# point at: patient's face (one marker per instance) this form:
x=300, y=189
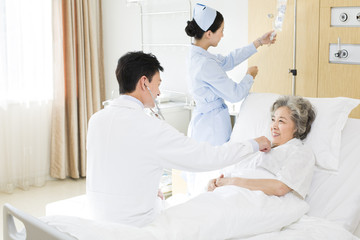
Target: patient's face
x=282, y=126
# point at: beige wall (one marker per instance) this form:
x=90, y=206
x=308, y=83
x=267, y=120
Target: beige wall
x=316, y=76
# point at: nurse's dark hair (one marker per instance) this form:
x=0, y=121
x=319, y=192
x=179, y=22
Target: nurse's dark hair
x=132, y=66
x=192, y=29
x=302, y=113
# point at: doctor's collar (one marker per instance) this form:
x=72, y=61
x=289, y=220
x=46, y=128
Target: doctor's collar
x=204, y=16
x=127, y=97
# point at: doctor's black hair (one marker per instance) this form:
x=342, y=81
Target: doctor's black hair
x=193, y=30
x=132, y=66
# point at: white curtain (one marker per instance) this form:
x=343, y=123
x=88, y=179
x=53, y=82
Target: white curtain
x=26, y=92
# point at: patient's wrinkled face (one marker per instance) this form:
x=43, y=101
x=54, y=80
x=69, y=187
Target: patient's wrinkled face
x=282, y=126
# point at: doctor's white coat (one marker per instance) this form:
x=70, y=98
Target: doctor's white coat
x=127, y=151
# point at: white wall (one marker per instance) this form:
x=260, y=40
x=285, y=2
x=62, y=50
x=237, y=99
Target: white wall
x=121, y=33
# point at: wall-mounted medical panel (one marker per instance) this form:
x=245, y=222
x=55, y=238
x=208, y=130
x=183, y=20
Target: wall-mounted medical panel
x=346, y=54
x=345, y=17
x=338, y=72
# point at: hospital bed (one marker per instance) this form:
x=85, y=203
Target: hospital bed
x=334, y=197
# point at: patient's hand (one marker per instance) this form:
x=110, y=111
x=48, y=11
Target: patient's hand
x=222, y=181
x=212, y=183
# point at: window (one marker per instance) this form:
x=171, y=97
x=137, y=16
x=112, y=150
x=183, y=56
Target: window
x=25, y=51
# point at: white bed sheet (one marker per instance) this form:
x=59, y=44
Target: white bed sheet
x=85, y=229
x=308, y=228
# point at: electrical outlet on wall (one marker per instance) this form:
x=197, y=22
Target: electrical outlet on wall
x=346, y=54
x=345, y=17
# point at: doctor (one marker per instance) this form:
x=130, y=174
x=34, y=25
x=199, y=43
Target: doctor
x=127, y=149
x=209, y=83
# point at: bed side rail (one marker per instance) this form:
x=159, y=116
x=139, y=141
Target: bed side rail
x=35, y=229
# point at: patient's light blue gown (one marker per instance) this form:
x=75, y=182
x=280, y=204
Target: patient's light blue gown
x=210, y=86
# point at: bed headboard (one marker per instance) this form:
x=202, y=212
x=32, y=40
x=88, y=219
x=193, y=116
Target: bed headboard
x=35, y=229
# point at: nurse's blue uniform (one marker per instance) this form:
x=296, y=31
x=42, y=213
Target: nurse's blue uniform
x=210, y=86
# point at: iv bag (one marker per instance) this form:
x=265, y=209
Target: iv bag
x=281, y=8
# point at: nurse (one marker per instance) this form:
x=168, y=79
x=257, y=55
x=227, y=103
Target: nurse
x=209, y=83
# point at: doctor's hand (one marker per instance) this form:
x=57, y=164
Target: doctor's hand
x=253, y=71
x=264, y=144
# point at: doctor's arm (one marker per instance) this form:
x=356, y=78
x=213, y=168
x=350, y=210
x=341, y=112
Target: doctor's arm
x=268, y=186
x=174, y=150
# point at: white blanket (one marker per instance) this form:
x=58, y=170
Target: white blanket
x=85, y=229
x=228, y=212
x=308, y=228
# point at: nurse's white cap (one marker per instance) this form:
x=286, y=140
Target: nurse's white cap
x=204, y=16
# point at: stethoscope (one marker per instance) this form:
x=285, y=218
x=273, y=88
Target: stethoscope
x=158, y=113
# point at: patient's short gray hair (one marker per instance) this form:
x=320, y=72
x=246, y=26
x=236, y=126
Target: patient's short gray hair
x=302, y=113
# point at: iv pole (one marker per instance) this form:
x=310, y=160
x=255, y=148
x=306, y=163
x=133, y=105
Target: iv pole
x=293, y=71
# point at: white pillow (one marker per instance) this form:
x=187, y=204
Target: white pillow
x=324, y=138
x=336, y=197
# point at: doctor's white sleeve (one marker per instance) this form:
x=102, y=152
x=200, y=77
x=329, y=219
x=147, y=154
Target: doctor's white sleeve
x=177, y=151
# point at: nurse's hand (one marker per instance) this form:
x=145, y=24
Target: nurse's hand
x=267, y=39
x=253, y=71
x=264, y=144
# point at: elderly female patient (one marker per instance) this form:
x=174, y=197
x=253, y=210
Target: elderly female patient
x=289, y=166
x=262, y=193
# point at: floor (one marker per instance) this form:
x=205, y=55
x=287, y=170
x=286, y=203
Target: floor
x=33, y=201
